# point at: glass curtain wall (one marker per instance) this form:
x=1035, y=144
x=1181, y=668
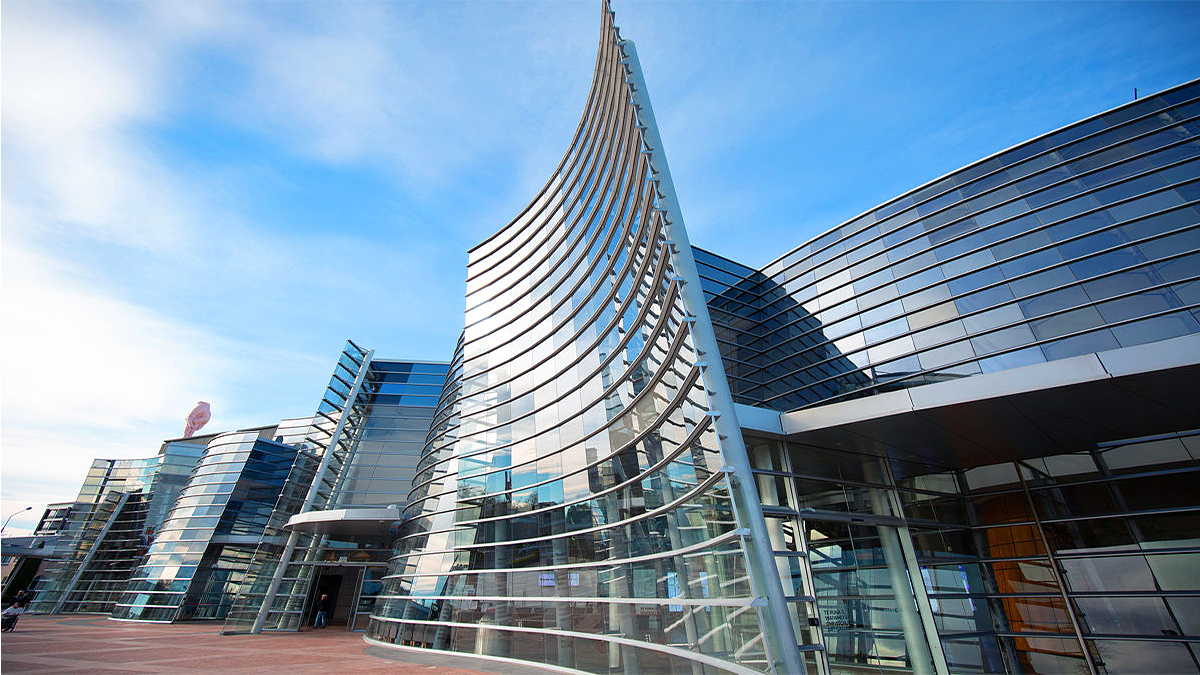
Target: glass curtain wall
x=1017, y=567
x=108, y=529
x=1083, y=240
x=571, y=508
x=325, y=443
x=401, y=404
x=200, y=555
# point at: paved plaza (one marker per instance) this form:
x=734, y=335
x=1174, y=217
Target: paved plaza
x=93, y=645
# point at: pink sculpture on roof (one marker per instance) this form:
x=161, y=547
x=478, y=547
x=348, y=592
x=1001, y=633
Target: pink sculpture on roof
x=199, y=416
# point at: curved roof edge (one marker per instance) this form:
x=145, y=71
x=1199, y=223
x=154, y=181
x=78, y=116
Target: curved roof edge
x=981, y=160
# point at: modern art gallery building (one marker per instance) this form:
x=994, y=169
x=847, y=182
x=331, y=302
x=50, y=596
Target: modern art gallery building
x=956, y=434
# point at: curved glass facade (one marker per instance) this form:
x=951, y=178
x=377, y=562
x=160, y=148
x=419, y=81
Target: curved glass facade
x=584, y=493
x=200, y=555
x=573, y=506
x=577, y=503
x=1080, y=241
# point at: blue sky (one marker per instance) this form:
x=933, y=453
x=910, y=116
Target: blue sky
x=204, y=200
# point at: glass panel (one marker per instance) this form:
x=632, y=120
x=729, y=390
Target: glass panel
x=1136, y=457
x=1066, y=323
x=1156, y=328
x=1133, y=657
x=1003, y=339
x=1187, y=613
x=1170, y=530
x=1096, y=341
x=1015, y=359
x=1101, y=534
x=1123, y=573
x=1176, y=572
x=1049, y=655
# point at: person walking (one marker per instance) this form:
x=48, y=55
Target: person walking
x=322, y=608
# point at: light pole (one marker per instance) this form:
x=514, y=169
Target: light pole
x=2, y=528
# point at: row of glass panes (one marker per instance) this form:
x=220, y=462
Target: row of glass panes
x=981, y=172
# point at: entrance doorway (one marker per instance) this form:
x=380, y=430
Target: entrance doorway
x=329, y=582
x=352, y=590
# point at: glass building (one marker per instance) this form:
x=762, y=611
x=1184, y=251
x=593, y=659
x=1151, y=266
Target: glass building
x=583, y=501
x=956, y=434
x=103, y=534
x=330, y=530
x=199, y=531
x=197, y=559
x=959, y=433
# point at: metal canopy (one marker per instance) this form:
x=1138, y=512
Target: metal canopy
x=1045, y=409
x=360, y=522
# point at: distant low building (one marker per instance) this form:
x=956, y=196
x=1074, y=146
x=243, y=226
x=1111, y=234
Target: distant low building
x=183, y=534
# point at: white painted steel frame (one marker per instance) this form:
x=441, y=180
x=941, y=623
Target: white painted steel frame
x=535, y=274
x=780, y=631
x=313, y=490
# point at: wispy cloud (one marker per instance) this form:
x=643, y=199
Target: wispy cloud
x=202, y=199
x=150, y=261
x=72, y=94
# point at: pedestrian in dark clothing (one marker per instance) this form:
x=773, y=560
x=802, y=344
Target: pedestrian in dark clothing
x=322, y=608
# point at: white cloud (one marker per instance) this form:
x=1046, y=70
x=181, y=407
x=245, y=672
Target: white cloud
x=86, y=375
x=71, y=350
x=72, y=92
x=134, y=285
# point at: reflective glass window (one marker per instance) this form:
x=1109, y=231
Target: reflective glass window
x=1041, y=281
x=1060, y=468
x=967, y=263
x=952, y=353
x=1164, y=222
x=1116, y=573
x=1003, y=339
x=1164, y=247
x=1031, y=262
x=1156, y=328
x=939, y=334
x=1130, y=657
x=1020, y=245
x=919, y=280
x=975, y=281
x=1177, y=572
x=1054, y=301
x=1014, y=359
x=1149, y=454
x=1132, y=188
x=1080, y=226
x=1092, y=243
x=1106, y=262
x=1133, y=306
x=992, y=318
x=983, y=299
x=1066, y=323
x=1144, y=205
x=1131, y=616
x=1096, y=341
x=1178, y=269
x=1093, y=535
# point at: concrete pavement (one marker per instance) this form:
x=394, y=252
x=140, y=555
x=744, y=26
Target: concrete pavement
x=93, y=645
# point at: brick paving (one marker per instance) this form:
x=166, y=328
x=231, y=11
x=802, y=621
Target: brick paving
x=93, y=645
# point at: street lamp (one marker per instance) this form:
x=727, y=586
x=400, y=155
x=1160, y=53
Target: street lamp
x=27, y=508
